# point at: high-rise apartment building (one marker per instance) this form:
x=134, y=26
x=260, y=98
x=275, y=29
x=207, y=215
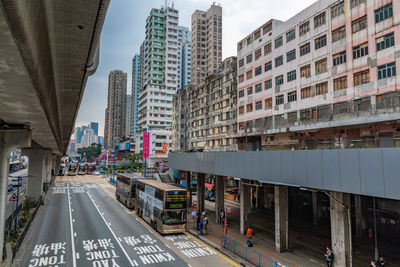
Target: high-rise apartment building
x=184, y=56
x=326, y=78
x=136, y=83
x=95, y=127
x=160, y=76
x=206, y=43
x=128, y=116
x=180, y=118
x=116, y=107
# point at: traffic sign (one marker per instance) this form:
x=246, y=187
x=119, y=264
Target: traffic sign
x=228, y=209
x=13, y=197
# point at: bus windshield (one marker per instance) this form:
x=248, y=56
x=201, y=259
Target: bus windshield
x=175, y=200
x=173, y=217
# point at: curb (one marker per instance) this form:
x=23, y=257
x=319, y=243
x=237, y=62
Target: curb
x=239, y=260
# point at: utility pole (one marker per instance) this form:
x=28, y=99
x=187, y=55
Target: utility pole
x=145, y=151
x=114, y=159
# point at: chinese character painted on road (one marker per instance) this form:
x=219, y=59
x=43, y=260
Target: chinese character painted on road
x=105, y=243
x=56, y=247
x=147, y=239
x=132, y=241
x=89, y=245
x=40, y=250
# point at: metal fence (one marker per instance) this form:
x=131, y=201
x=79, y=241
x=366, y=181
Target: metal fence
x=250, y=254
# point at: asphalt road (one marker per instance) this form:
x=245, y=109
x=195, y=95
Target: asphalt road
x=81, y=225
x=10, y=206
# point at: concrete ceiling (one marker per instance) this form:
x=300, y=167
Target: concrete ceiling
x=47, y=50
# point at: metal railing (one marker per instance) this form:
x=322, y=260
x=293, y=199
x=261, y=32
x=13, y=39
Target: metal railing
x=250, y=254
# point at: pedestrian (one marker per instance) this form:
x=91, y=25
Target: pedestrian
x=198, y=219
x=205, y=224
x=222, y=215
x=201, y=228
x=380, y=262
x=373, y=264
x=249, y=235
x=329, y=257
x=194, y=215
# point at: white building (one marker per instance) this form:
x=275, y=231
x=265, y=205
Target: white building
x=88, y=138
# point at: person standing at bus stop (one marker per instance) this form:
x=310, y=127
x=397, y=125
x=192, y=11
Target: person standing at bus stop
x=249, y=235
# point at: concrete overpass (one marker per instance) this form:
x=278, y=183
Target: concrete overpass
x=47, y=51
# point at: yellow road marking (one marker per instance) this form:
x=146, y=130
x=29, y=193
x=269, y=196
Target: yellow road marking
x=219, y=254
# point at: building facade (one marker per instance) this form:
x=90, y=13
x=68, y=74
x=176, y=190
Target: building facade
x=136, y=83
x=205, y=114
x=326, y=78
x=95, y=127
x=206, y=43
x=128, y=116
x=184, y=56
x=116, y=107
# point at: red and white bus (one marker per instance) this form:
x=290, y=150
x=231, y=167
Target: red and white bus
x=90, y=168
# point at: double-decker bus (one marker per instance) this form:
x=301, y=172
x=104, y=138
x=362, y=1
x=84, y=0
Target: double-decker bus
x=82, y=169
x=209, y=191
x=162, y=205
x=90, y=168
x=72, y=169
x=126, y=189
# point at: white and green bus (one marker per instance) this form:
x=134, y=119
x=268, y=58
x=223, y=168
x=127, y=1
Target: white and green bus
x=162, y=205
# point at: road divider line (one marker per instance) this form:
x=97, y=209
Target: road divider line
x=216, y=252
x=72, y=231
x=112, y=232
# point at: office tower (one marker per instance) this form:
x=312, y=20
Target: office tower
x=95, y=127
x=206, y=43
x=116, y=106
x=184, y=56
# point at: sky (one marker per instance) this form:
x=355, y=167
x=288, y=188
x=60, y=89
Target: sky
x=124, y=31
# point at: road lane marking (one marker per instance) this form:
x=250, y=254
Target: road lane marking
x=216, y=252
x=112, y=232
x=77, y=255
x=72, y=232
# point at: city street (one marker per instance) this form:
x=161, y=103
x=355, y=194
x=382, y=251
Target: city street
x=82, y=225
x=10, y=204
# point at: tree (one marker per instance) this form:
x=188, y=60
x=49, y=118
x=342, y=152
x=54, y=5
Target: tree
x=135, y=160
x=91, y=152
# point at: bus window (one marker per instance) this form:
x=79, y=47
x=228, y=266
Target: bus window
x=173, y=217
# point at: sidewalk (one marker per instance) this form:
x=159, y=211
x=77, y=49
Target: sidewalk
x=263, y=241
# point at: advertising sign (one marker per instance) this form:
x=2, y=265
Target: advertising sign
x=149, y=202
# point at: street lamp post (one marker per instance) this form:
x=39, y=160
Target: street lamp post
x=145, y=151
x=115, y=145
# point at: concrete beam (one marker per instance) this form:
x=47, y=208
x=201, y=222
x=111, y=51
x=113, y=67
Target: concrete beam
x=219, y=196
x=281, y=218
x=8, y=140
x=245, y=205
x=341, y=228
x=200, y=191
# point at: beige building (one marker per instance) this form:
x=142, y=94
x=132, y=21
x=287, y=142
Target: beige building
x=180, y=127
x=212, y=111
x=206, y=43
x=116, y=107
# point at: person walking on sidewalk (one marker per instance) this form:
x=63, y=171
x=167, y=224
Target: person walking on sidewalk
x=201, y=228
x=249, y=235
x=222, y=216
x=373, y=264
x=329, y=257
x=205, y=223
x=380, y=262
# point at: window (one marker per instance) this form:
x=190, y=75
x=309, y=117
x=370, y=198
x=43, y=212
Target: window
x=258, y=87
x=319, y=20
x=305, y=71
x=278, y=61
x=305, y=92
x=267, y=49
x=249, y=58
x=321, y=88
x=249, y=75
x=278, y=42
x=268, y=66
x=258, y=71
x=241, y=78
x=257, y=54
x=249, y=107
x=241, y=63
x=360, y=50
x=279, y=80
x=241, y=109
x=387, y=70
x=291, y=55
x=291, y=75
x=339, y=34
x=268, y=103
x=340, y=83
x=385, y=41
x=321, y=66
x=320, y=42
x=305, y=49
x=268, y=84
x=304, y=28
x=292, y=96
x=279, y=100
x=290, y=35
x=257, y=35
x=355, y=3
x=359, y=24
x=339, y=58
x=241, y=93
x=337, y=9
x=361, y=77
x=258, y=105
x=250, y=91
x=383, y=13
x=249, y=40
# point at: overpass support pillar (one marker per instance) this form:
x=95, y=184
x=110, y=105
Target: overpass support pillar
x=37, y=170
x=340, y=228
x=315, y=207
x=281, y=218
x=9, y=139
x=219, y=196
x=188, y=179
x=200, y=191
x=245, y=205
x=361, y=211
x=48, y=165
